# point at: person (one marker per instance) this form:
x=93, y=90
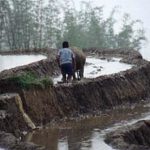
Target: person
x=66, y=61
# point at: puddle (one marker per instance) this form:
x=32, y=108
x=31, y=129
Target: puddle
x=88, y=134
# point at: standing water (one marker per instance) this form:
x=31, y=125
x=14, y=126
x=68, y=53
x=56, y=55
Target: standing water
x=88, y=134
x=11, y=61
x=99, y=67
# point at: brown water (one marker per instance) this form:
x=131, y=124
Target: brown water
x=88, y=134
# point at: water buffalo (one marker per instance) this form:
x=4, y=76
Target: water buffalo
x=80, y=60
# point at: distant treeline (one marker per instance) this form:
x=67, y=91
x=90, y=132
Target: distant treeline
x=28, y=24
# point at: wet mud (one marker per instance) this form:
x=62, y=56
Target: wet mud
x=87, y=97
x=135, y=137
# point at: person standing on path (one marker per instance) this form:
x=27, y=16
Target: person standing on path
x=66, y=62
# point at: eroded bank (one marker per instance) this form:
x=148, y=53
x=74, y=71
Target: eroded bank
x=88, y=96
x=40, y=105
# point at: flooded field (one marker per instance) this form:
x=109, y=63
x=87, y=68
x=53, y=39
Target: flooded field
x=12, y=61
x=88, y=134
x=96, y=67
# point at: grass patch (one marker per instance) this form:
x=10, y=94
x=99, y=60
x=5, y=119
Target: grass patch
x=29, y=79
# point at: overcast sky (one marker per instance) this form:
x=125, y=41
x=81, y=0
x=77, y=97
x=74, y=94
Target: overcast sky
x=138, y=9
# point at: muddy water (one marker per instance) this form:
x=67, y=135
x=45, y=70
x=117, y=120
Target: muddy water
x=11, y=61
x=88, y=134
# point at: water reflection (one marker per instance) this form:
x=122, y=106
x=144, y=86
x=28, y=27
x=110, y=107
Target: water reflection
x=11, y=61
x=87, y=134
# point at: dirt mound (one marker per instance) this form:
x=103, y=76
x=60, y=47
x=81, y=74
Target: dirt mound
x=10, y=142
x=135, y=137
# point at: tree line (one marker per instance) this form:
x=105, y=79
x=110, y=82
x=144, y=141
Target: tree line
x=26, y=24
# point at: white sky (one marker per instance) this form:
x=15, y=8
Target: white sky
x=139, y=9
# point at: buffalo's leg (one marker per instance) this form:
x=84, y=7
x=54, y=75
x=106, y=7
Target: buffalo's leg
x=81, y=72
x=78, y=74
x=74, y=76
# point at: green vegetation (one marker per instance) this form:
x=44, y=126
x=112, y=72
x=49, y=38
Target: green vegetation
x=29, y=79
x=28, y=24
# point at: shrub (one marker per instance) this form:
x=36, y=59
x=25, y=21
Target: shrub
x=30, y=79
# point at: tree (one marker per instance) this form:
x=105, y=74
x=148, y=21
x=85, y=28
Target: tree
x=109, y=28
x=69, y=23
x=38, y=24
x=52, y=26
x=139, y=37
x=17, y=23
x=82, y=24
x=28, y=24
x=5, y=19
x=96, y=30
x=128, y=37
x=4, y=7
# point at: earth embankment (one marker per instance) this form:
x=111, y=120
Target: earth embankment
x=23, y=109
x=133, y=137
x=88, y=96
